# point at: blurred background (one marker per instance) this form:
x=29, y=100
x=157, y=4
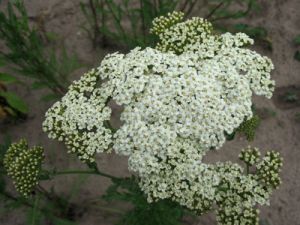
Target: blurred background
x=45, y=45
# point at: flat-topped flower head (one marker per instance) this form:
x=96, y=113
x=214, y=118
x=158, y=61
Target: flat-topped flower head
x=23, y=165
x=180, y=100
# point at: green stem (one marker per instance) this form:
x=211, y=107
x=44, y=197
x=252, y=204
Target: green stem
x=247, y=169
x=111, y=210
x=95, y=172
x=212, y=12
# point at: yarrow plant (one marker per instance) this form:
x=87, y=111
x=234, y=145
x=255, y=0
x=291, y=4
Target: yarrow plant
x=181, y=100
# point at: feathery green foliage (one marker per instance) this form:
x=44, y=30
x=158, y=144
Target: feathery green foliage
x=26, y=53
x=297, y=43
x=248, y=127
x=131, y=22
x=11, y=105
x=163, y=212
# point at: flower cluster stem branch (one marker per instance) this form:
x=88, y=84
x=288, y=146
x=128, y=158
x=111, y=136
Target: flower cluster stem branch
x=94, y=172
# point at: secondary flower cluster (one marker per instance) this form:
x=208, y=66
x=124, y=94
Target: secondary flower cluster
x=250, y=156
x=180, y=100
x=23, y=165
x=175, y=35
x=79, y=118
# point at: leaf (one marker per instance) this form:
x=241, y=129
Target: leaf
x=297, y=40
x=264, y=222
x=67, y=63
x=254, y=32
x=34, y=215
x=3, y=147
x=15, y=102
x=6, y=78
x=50, y=97
x=297, y=55
x=2, y=63
x=60, y=221
x=10, y=111
x=52, y=36
x=38, y=85
x=2, y=183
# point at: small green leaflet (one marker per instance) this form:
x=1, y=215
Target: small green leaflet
x=297, y=55
x=34, y=215
x=7, y=79
x=50, y=97
x=14, y=101
x=297, y=40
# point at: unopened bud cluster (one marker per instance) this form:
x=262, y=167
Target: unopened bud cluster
x=175, y=35
x=269, y=168
x=162, y=23
x=250, y=156
x=23, y=165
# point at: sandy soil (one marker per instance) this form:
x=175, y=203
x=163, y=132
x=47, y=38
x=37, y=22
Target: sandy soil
x=280, y=132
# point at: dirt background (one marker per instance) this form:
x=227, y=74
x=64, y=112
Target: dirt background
x=279, y=132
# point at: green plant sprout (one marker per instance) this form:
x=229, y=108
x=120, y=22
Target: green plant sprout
x=291, y=97
x=26, y=53
x=181, y=99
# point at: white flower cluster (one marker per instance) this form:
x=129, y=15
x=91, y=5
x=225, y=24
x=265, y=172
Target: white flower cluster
x=79, y=118
x=176, y=108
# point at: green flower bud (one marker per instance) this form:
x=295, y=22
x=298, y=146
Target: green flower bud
x=160, y=24
x=23, y=165
x=250, y=155
x=175, y=35
x=269, y=168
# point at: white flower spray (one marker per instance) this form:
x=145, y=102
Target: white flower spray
x=180, y=100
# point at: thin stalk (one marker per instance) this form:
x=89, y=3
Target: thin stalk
x=44, y=192
x=24, y=202
x=249, y=7
x=184, y=5
x=111, y=210
x=247, y=169
x=212, y=12
x=96, y=25
x=190, y=9
x=95, y=172
x=13, y=198
x=103, y=23
x=118, y=21
x=142, y=13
